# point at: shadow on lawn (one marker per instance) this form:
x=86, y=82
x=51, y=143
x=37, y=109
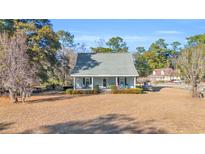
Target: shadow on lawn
x=108, y=124
x=55, y=98
x=5, y=125
x=158, y=88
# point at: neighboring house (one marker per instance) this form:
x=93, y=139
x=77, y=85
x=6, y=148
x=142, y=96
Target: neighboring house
x=104, y=70
x=164, y=74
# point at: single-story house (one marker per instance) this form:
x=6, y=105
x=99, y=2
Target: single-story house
x=164, y=74
x=104, y=70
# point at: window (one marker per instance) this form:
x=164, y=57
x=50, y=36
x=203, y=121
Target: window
x=125, y=81
x=104, y=83
x=87, y=82
x=83, y=81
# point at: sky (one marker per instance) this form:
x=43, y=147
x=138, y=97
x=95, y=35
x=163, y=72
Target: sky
x=134, y=32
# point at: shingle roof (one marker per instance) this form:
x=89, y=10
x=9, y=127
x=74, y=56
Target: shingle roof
x=104, y=64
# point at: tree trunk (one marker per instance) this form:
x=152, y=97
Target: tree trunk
x=65, y=82
x=13, y=96
x=194, y=90
x=23, y=96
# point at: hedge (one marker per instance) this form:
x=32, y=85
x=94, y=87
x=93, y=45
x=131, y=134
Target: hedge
x=114, y=90
x=95, y=90
x=127, y=91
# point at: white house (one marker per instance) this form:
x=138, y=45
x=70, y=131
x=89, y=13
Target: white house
x=164, y=74
x=104, y=70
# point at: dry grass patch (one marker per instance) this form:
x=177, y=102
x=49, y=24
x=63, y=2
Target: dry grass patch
x=167, y=111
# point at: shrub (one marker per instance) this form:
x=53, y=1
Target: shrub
x=87, y=91
x=96, y=89
x=113, y=88
x=73, y=92
x=159, y=82
x=77, y=92
x=69, y=91
x=128, y=91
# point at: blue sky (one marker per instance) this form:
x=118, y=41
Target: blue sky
x=134, y=32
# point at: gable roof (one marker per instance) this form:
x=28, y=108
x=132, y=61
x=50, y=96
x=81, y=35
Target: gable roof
x=104, y=64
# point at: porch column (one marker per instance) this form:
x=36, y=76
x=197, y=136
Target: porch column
x=135, y=82
x=74, y=83
x=116, y=81
x=92, y=83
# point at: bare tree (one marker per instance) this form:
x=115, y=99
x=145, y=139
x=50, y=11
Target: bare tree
x=81, y=47
x=16, y=73
x=100, y=43
x=191, y=63
x=67, y=58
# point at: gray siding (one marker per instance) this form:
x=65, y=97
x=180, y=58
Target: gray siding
x=110, y=81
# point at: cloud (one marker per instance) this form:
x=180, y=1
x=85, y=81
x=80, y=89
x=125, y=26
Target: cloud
x=127, y=38
x=132, y=38
x=168, y=32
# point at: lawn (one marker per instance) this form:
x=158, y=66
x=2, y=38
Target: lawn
x=168, y=111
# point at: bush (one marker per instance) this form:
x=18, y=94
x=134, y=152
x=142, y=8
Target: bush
x=96, y=89
x=77, y=92
x=113, y=88
x=86, y=91
x=159, y=82
x=128, y=91
x=69, y=91
x=73, y=92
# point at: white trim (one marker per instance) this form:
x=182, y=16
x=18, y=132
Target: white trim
x=116, y=81
x=104, y=75
x=92, y=83
x=74, y=84
x=135, y=82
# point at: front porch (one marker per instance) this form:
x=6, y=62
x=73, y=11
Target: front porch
x=89, y=82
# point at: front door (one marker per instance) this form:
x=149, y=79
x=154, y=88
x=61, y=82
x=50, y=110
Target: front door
x=104, y=83
x=87, y=83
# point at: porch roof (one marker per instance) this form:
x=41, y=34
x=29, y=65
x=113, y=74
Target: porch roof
x=104, y=64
